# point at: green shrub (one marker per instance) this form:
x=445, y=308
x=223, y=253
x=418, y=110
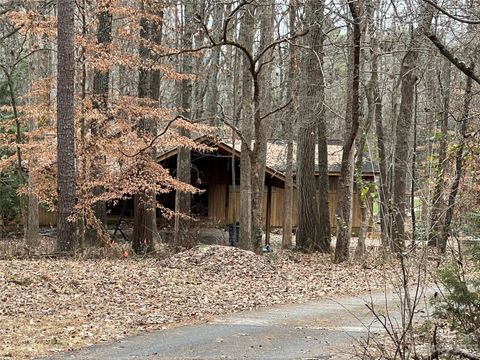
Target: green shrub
x=9, y=199
x=460, y=303
x=470, y=223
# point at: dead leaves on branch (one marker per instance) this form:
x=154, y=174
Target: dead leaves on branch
x=55, y=305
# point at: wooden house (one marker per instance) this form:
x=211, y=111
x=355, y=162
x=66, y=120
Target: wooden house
x=219, y=204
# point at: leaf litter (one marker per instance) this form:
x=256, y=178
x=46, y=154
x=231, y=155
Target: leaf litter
x=53, y=305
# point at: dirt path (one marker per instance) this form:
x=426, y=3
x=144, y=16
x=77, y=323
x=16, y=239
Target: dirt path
x=324, y=329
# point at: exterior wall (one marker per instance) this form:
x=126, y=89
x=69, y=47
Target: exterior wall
x=221, y=208
x=47, y=218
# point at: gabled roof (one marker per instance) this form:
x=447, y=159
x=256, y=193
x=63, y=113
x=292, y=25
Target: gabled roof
x=277, y=156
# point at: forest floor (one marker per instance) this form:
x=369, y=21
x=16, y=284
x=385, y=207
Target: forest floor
x=50, y=305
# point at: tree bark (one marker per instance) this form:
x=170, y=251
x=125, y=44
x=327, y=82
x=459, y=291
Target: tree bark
x=402, y=133
x=345, y=190
x=360, y=184
x=212, y=91
x=262, y=104
x=100, y=92
x=183, y=199
x=65, y=125
x=289, y=119
x=323, y=222
x=312, y=231
x=246, y=37
x=436, y=221
x=145, y=224
x=155, y=78
x=384, y=194
x=458, y=158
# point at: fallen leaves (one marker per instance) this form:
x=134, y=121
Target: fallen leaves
x=51, y=305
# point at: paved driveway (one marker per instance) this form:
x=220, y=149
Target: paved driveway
x=324, y=329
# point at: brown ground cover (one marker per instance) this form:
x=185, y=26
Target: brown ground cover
x=51, y=305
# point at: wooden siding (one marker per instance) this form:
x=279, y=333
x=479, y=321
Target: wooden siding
x=217, y=195
x=220, y=209
x=47, y=218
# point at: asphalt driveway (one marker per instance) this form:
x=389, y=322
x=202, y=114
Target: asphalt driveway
x=323, y=329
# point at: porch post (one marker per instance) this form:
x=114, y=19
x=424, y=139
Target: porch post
x=268, y=215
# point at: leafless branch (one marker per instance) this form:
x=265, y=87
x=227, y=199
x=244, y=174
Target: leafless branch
x=276, y=110
x=237, y=131
x=454, y=17
x=152, y=142
x=278, y=42
x=452, y=58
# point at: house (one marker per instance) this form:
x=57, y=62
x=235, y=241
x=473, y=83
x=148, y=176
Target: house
x=219, y=204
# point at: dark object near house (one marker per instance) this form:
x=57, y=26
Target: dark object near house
x=233, y=233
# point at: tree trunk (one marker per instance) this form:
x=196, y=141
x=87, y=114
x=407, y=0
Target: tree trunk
x=402, y=133
x=212, y=91
x=323, y=223
x=371, y=88
x=312, y=234
x=345, y=189
x=246, y=37
x=145, y=224
x=65, y=125
x=32, y=226
x=289, y=119
x=414, y=168
x=100, y=92
x=384, y=194
x=155, y=78
x=360, y=184
x=458, y=157
x=183, y=199
x=436, y=233
x=262, y=104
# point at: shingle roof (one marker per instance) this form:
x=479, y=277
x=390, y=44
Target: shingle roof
x=277, y=157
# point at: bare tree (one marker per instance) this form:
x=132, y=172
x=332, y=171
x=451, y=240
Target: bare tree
x=101, y=81
x=436, y=238
x=323, y=223
x=312, y=232
x=352, y=118
x=459, y=158
x=246, y=38
x=183, y=199
x=408, y=78
x=65, y=125
x=289, y=122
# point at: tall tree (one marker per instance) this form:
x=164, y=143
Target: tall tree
x=262, y=105
x=459, y=156
x=323, y=222
x=145, y=225
x=352, y=118
x=372, y=85
x=436, y=232
x=310, y=235
x=289, y=122
x=65, y=124
x=101, y=79
x=408, y=77
x=246, y=37
x=183, y=199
